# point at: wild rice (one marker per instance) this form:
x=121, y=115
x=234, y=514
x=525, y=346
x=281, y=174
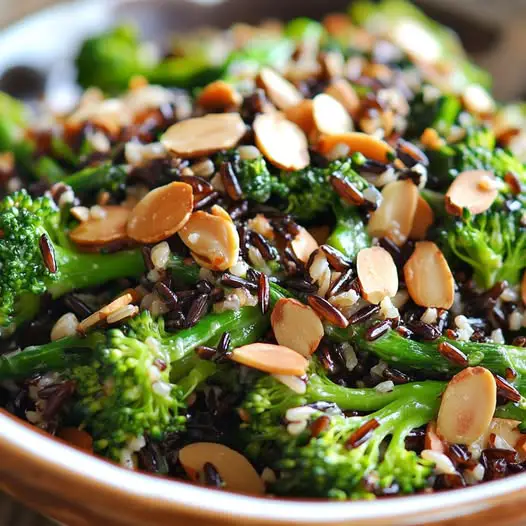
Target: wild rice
x=199, y=185
x=319, y=426
x=206, y=201
x=211, y=476
x=377, y=330
x=167, y=294
x=197, y=310
x=325, y=310
x=362, y=434
x=48, y=253
x=335, y=258
x=265, y=249
x=506, y=390
x=453, y=354
x=230, y=181
x=229, y=280
x=263, y=293
x=364, y=314
x=347, y=191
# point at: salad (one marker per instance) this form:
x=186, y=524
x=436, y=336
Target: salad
x=284, y=260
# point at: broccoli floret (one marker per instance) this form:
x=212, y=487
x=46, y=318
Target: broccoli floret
x=325, y=465
x=439, y=113
x=36, y=257
x=111, y=59
x=492, y=243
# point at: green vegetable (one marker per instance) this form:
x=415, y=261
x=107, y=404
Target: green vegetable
x=349, y=235
x=105, y=176
x=13, y=121
x=26, y=223
x=440, y=113
x=305, y=30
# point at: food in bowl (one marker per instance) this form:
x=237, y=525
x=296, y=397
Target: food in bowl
x=284, y=260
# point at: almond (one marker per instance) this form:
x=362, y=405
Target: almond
x=274, y=359
x=395, y=216
x=219, y=95
x=203, y=136
x=477, y=100
x=428, y=277
x=76, y=437
x=507, y=430
x=99, y=316
x=280, y=91
x=467, y=406
x=424, y=218
x=235, y=470
x=110, y=227
x=296, y=326
x=282, y=142
x=377, y=274
x=432, y=440
x=330, y=116
x=161, y=213
x=302, y=115
x=475, y=190
x=344, y=93
x=213, y=239
x=304, y=245
x=369, y=145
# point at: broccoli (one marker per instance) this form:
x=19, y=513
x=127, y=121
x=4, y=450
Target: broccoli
x=36, y=258
x=492, y=243
x=105, y=176
x=13, y=121
x=323, y=466
x=349, y=235
x=111, y=59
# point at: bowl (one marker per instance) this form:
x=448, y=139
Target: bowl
x=78, y=489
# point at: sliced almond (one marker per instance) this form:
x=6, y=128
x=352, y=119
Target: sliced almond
x=344, y=93
x=282, y=142
x=235, y=470
x=428, y=277
x=296, y=326
x=219, y=95
x=377, y=273
x=477, y=100
x=302, y=115
x=394, y=217
x=104, y=230
x=213, y=240
x=424, y=218
x=203, y=136
x=330, y=116
x=76, y=437
x=280, y=91
x=161, y=213
x=523, y=288
x=369, y=145
x=504, y=429
x=467, y=406
x=273, y=359
x=432, y=440
x=100, y=316
x=304, y=245
x=474, y=189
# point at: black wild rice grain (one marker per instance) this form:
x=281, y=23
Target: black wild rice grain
x=377, y=330
x=460, y=456
x=362, y=434
x=217, y=294
x=519, y=341
x=372, y=167
x=197, y=310
x=452, y=354
x=263, y=293
x=506, y=390
x=204, y=286
x=167, y=294
x=211, y=476
x=325, y=356
x=206, y=200
x=325, y=310
x=347, y=191
x=424, y=330
x=396, y=376
x=198, y=184
x=364, y=314
x=77, y=306
x=160, y=364
x=252, y=275
x=513, y=182
x=290, y=254
x=175, y=321
x=449, y=481
x=319, y=426
x=335, y=258
x=299, y=284
x=404, y=331
x=230, y=181
x=243, y=240
x=146, y=255
x=410, y=155
x=205, y=353
x=48, y=253
x=239, y=210
x=57, y=399
x=497, y=318
x=223, y=345
x=254, y=104
x=342, y=284
x=266, y=250
x=235, y=282
x=511, y=374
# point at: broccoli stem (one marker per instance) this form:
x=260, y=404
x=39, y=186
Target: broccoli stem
x=81, y=270
x=349, y=235
x=105, y=176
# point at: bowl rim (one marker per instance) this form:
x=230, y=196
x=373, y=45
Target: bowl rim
x=55, y=457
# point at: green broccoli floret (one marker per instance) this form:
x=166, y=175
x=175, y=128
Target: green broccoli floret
x=111, y=59
x=492, y=243
x=36, y=257
x=325, y=465
x=439, y=113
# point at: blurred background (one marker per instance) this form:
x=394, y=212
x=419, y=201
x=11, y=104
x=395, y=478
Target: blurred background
x=36, y=53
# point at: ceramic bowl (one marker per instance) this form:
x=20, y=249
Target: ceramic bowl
x=78, y=489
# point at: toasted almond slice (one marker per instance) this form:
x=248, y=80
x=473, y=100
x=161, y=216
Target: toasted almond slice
x=423, y=219
x=344, y=93
x=377, y=273
x=467, y=406
x=296, y=326
x=100, y=232
x=161, y=213
x=394, y=217
x=280, y=91
x=76, y=437
x=219, y=95
x=282, y=142
x=203, y=136
x=302, y=115
x=273, y=359
x=523, y=288
x=330, y=117
x=213, y=240
x=428, y=277
x=474, y=189
x=477, y=100
x=235, y=470
x=304, y=245
x=369, y=145
x=432, y=440
x=219, y=211
x=91, y=321
x=101, y=315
